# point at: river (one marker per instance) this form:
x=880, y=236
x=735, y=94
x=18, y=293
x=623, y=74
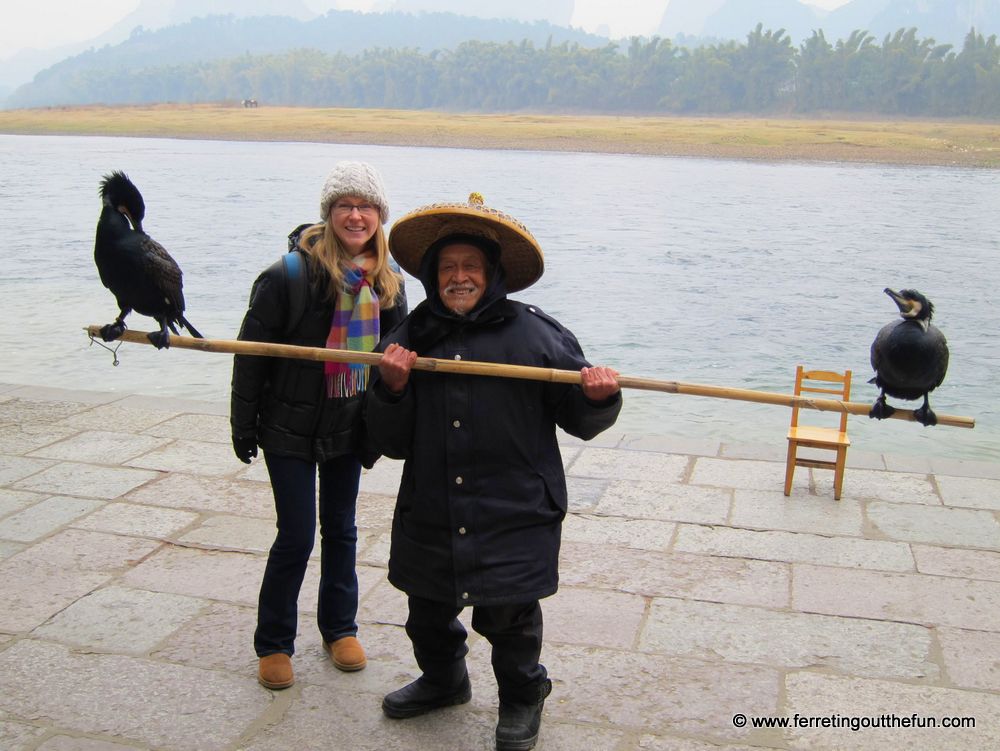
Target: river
x=720, y=272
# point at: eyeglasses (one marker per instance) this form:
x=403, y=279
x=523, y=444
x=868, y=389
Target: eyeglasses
x=345, y=209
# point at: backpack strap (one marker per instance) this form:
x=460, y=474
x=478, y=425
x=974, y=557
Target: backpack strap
x=296, y=288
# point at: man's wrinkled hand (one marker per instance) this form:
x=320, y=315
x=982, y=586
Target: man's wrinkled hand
x=599, y=383
x=394, y=367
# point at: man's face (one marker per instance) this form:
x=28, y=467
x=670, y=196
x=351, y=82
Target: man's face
x=461, y=277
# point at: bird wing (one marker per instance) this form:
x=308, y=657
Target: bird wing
x=161, y=269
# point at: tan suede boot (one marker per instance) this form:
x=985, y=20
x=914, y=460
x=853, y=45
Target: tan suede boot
x=275, y=671
x=347, y=654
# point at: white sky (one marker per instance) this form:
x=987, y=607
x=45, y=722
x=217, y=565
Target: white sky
x=42, y=24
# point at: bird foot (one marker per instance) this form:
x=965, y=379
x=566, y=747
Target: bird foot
x=112, y=331
x=925, y=416
x=159, y=339
x=881, y=410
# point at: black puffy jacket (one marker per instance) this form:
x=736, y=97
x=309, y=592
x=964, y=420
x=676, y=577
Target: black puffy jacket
x=282, y=402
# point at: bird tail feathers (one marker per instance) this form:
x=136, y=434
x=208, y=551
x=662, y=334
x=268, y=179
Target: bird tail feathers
x=193, y=331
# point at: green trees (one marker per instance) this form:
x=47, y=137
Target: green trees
x=904, y=75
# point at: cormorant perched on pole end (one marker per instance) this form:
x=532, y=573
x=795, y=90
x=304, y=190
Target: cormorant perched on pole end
x=909, y=356
x=137, y=269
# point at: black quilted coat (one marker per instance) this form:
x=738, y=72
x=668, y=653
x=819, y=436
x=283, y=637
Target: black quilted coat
x=282, y=402
x=483, y=492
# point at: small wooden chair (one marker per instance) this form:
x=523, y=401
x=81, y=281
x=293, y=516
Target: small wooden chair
x=832, y=386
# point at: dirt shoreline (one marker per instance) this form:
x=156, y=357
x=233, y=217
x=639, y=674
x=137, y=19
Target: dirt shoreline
x=900, y=142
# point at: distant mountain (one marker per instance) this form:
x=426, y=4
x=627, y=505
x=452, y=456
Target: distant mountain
x=558, y=12
x=687, y=17
x=946, y=21
x=735, y=18
x=224, y=37
x=149, y=15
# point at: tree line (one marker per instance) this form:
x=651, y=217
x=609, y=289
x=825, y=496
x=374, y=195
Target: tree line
x=903, y=75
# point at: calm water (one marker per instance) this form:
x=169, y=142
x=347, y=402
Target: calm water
x=719, y=272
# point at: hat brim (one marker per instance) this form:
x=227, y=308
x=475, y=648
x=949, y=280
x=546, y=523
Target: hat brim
x=520, y=254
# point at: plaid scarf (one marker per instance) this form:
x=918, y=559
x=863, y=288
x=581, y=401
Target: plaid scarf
x=354, y=327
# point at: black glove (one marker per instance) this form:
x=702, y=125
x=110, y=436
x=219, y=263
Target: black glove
x=245, y=448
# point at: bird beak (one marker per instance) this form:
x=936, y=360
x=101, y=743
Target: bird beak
x=137, y=226
x=904, y=305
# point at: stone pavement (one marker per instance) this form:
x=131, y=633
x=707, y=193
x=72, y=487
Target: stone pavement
x=694, y=594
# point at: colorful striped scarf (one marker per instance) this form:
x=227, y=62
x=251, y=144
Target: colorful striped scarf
x=354, y=327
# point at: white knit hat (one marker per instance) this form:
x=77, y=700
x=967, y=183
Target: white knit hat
x=358, y=179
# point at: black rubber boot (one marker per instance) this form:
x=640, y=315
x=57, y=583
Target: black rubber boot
x=517, y=729
x=421, y=697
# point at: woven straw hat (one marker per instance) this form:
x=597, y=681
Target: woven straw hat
x=520, y=254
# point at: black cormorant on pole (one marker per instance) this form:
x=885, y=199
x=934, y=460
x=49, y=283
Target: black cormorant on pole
x=137, y=269
x=909, y=356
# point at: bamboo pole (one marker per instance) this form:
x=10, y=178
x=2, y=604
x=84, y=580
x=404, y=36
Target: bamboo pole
x=552, y=375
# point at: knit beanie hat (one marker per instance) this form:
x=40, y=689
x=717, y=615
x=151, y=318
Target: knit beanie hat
x=353, y=179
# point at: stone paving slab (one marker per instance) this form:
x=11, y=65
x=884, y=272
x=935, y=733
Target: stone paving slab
x=770, y=510
x=68, y=743
x=970, y=492
x=972, y=528
x=137, y=521
x=115, y=619
x=45, y=517
x=741, y=634
x=654, y=500
x=136, y=699
x=84, y=550
x=633, y=465
x=965, y=564
x=19, y=439
x=911, y=598
x=99, y=447
x=645, y=534
x=86, y=480
x=15, y=500
x=692, y=592
x=817, y=695
x=735, y=580
x=33, y=594
x=206, y=458
x=208, y=495
x=214, y=428
x=14, y=468
x=971, y=658
x=794, y=547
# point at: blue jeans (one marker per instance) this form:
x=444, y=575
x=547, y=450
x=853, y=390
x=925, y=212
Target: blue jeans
x=293, y=482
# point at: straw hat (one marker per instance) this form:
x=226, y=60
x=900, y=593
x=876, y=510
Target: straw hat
x=520, y=254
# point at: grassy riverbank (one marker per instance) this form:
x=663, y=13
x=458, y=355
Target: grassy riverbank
x=952, y=143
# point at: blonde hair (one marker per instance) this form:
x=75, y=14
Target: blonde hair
x=326, y=253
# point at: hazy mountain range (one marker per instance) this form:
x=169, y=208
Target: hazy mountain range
x=136, y=40
x=947, y=21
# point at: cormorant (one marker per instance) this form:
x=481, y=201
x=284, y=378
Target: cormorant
x=137, y=269
x=909, y=356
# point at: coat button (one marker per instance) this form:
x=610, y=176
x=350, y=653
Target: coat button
x=457, y=423
x=458, y=480
x=465, y=595
x=458, y=357
x=461, y=530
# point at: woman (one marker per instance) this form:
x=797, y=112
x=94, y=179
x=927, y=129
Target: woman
x=306, y=415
